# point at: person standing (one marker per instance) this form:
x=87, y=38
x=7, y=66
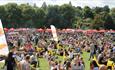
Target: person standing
x=10, y=62
x=92, y=48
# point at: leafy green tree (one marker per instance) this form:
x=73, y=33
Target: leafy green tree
x=27, y=14
x=97, y=10
x=13, y=14
x=44, y=6
x=106, y=9
x=98, y=22
x=112, y=13
x=68, y=13
x=53, y=16
x=78, y=12
x=39, y=18
x=103, y=20
x=2, y=12
x=70, y=3
x=108, y=21
x=87, y=12
x=3, y=16
x=64, y=16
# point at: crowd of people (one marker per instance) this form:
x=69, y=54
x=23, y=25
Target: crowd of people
x=103, y=52
x=26, y=47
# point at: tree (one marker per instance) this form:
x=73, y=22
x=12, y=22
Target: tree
x=53, y=16
x=98, y=22
x=70, y=3
x=64, y=16
x=39, y=18
x=13, y=14
x=112, y=13
x=103, y=20
x=3, y=15
x=44, y=6
x=87, y=12
x=78, y=12
x=97, y=10
x=2, y=12
x=68, y=13
x=106, y=9
x=108, y=21
x=27, y=14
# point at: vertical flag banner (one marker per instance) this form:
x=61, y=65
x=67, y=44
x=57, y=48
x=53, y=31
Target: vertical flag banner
x=54, y=33
x=3, y=44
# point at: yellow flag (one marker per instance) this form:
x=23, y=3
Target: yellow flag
x=96, y=60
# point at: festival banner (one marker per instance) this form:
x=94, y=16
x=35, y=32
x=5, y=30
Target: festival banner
x=55, y=38
x=3, y=43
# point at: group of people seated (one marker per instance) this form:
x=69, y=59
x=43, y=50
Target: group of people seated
x=31, y=45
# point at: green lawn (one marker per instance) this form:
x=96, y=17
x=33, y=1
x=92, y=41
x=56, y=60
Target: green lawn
x=43, y=64
x=85, y=56
x=1, y=65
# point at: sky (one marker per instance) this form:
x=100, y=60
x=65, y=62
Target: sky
x=82, y=3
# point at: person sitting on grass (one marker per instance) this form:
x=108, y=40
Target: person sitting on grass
x=24, y=64
x=34, y=60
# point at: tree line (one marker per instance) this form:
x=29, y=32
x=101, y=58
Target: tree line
x=64, y=16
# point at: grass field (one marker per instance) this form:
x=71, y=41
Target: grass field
x=44, y=64
x=86, y=60
x=1, y=65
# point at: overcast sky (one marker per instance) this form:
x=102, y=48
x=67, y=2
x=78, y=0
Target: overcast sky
x=82, y=3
